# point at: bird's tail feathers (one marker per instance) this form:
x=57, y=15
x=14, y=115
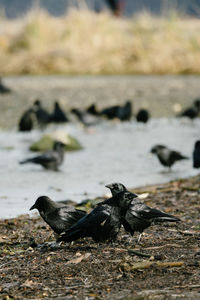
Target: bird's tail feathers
x=25, y=161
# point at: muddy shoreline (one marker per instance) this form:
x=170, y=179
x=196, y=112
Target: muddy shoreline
x=86, y=270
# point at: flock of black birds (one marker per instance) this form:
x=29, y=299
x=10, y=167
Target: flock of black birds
x=103, y=223
x=124, y=208
x=38, y=115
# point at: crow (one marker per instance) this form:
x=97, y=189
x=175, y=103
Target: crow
x=58, y=216
x=51, y=159
x=26, y=121
x=58, y=115
x=102, y=224
x=192, y=111
x=166, y=156
x=196, y=155
x=110, y=112
x=137, y=215
x=42, y=116
x=124, y=113
x=92, y=110
x=142, y=116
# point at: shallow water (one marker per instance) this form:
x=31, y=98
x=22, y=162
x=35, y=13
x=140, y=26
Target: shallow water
x=113, y=152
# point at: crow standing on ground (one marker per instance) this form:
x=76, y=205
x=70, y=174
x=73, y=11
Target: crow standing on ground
x=124, y=113
x=92, y=110
x=26, y=121
x=102, y=224
x=42, y=116
x=51, y=159
x=58, y=115
x=137, y=215
x=166, y=156
x=193, y=111
x=110, y=112
x=142, y=116
x=58, y=216
x=196, y=155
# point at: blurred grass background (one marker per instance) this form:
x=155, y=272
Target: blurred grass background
x=83, y=42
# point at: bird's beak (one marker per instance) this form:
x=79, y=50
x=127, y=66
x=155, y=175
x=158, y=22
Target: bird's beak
x=108, y=186
x=134, y=195
x=33, y=207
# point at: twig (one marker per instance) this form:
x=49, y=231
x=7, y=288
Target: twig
x=157, y=257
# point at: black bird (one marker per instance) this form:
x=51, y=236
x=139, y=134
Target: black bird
x=196, y=155
x=193, y=111
x=124, y=113
x=102, y=224
x=142, y=116
x=110, y=112
x=51, y=159
x=138, y=215
x=42, y=116
x=58, y=115
x=58, y=216
x=26, y=121
x=116, y=188
x=93, y=110
x=166, y=156
x=4, y=89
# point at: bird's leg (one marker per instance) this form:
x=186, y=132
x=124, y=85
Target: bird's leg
x=139, y=238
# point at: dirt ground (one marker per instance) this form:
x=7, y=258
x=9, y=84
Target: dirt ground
x=167, y=269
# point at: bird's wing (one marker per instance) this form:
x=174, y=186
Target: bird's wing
x=87, y=224
x=142, y=211
x=97, y=216
x=71, y=215
x=48, y=156
x=177, y=155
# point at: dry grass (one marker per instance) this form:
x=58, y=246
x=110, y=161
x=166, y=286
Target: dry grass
x=83, y=42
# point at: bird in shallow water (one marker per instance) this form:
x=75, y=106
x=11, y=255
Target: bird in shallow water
x=26, y=121
x=136, y=214
x=58, y=115
x=51, y=159
x=166, y=156
x=196, y=155
x=101, y=224
x=58, y=216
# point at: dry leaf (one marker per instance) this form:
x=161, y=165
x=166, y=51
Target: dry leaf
x=78, y=259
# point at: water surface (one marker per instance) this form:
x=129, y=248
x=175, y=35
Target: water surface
x=113, y=152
